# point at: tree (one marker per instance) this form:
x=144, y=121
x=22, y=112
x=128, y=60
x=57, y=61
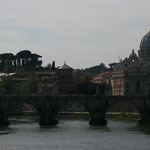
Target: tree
x=48, y=67
x=30, y=86
x=89, y=88
x=53, y=65
x=4, y=57
x=111, y=65
x=97, y=69
x=6, y=83
x=27, y=60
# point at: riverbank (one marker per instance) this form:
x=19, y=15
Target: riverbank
x=123, y=116
x=86, y=116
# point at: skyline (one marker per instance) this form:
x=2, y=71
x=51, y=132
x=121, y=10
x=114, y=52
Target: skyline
x=83, y=33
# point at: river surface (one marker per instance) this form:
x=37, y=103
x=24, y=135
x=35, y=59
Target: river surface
x=24, y=133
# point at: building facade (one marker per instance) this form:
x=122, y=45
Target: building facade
x=131, y=76
x=64, y=79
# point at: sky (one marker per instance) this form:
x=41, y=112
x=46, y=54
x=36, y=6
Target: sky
x=83, y=33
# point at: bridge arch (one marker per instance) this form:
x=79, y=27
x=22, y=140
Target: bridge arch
x=19, y=107
x=102, y=104
x=73, y=106
x=14, y=109
x=125, y=106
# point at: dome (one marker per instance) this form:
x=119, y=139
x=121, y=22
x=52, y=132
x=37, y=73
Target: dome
x=145, y=42
x=133, y=55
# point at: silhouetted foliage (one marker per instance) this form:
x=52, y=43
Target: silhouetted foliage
x=22, y=60
x=27, y=60
x=48, y=67
x=111, y=65
x=6, y=56
x=89, y=88
x=97, y=69
x=6, y=83
x=30, y=86
x=53, y=65
x=23, y=54
x=3, y=57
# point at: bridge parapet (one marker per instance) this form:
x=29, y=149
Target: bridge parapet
x=97, y=106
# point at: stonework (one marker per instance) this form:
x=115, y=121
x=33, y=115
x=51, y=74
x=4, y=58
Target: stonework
x=131, y=76
x=64, y=79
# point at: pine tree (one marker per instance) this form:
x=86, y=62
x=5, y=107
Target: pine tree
x=53, y=65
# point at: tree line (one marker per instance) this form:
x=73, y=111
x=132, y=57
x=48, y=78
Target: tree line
x=31, y=86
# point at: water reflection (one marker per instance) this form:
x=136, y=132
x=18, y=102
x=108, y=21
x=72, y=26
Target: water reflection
x=101, y=128
x=145, y=129
x=25, y=133
x=5, y=130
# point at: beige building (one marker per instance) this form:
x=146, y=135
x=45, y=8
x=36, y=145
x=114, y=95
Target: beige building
x=131, y=76
x=130, y=81
x=102, y=78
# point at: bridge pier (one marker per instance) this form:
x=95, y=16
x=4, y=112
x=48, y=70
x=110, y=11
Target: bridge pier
x=97, y=112
x=145, y=116
x=47, y=119
x=4, y=119
x=48, y=114
x=97, y=118
x=144, y=120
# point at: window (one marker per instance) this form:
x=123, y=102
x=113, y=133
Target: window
x=127, y=86
x=138, y=86
x=126, y=65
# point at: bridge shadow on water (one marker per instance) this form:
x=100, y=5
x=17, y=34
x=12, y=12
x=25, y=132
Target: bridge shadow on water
x=144, y=129
x=5, y=130
x=21, y=124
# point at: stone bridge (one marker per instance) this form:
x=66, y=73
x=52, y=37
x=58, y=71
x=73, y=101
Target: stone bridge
x=97, y=106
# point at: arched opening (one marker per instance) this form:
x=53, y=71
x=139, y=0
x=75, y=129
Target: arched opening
x=73, y=110
x=123, y=110
x=22, y=113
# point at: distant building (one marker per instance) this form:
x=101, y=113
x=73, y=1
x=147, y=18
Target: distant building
x=80, y=77
x=24, y=64
x=131, y=76
x=130, y=81
x=47, y=81
x=102, y=78
x=64, y=79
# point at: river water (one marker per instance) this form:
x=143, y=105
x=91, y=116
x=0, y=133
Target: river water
x=24, y=133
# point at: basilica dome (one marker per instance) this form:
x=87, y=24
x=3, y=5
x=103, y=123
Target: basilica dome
x=145, y=42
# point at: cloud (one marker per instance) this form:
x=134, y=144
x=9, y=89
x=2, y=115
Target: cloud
x=74, y=30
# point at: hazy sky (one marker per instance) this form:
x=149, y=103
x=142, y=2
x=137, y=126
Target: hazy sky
x=81, y=32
